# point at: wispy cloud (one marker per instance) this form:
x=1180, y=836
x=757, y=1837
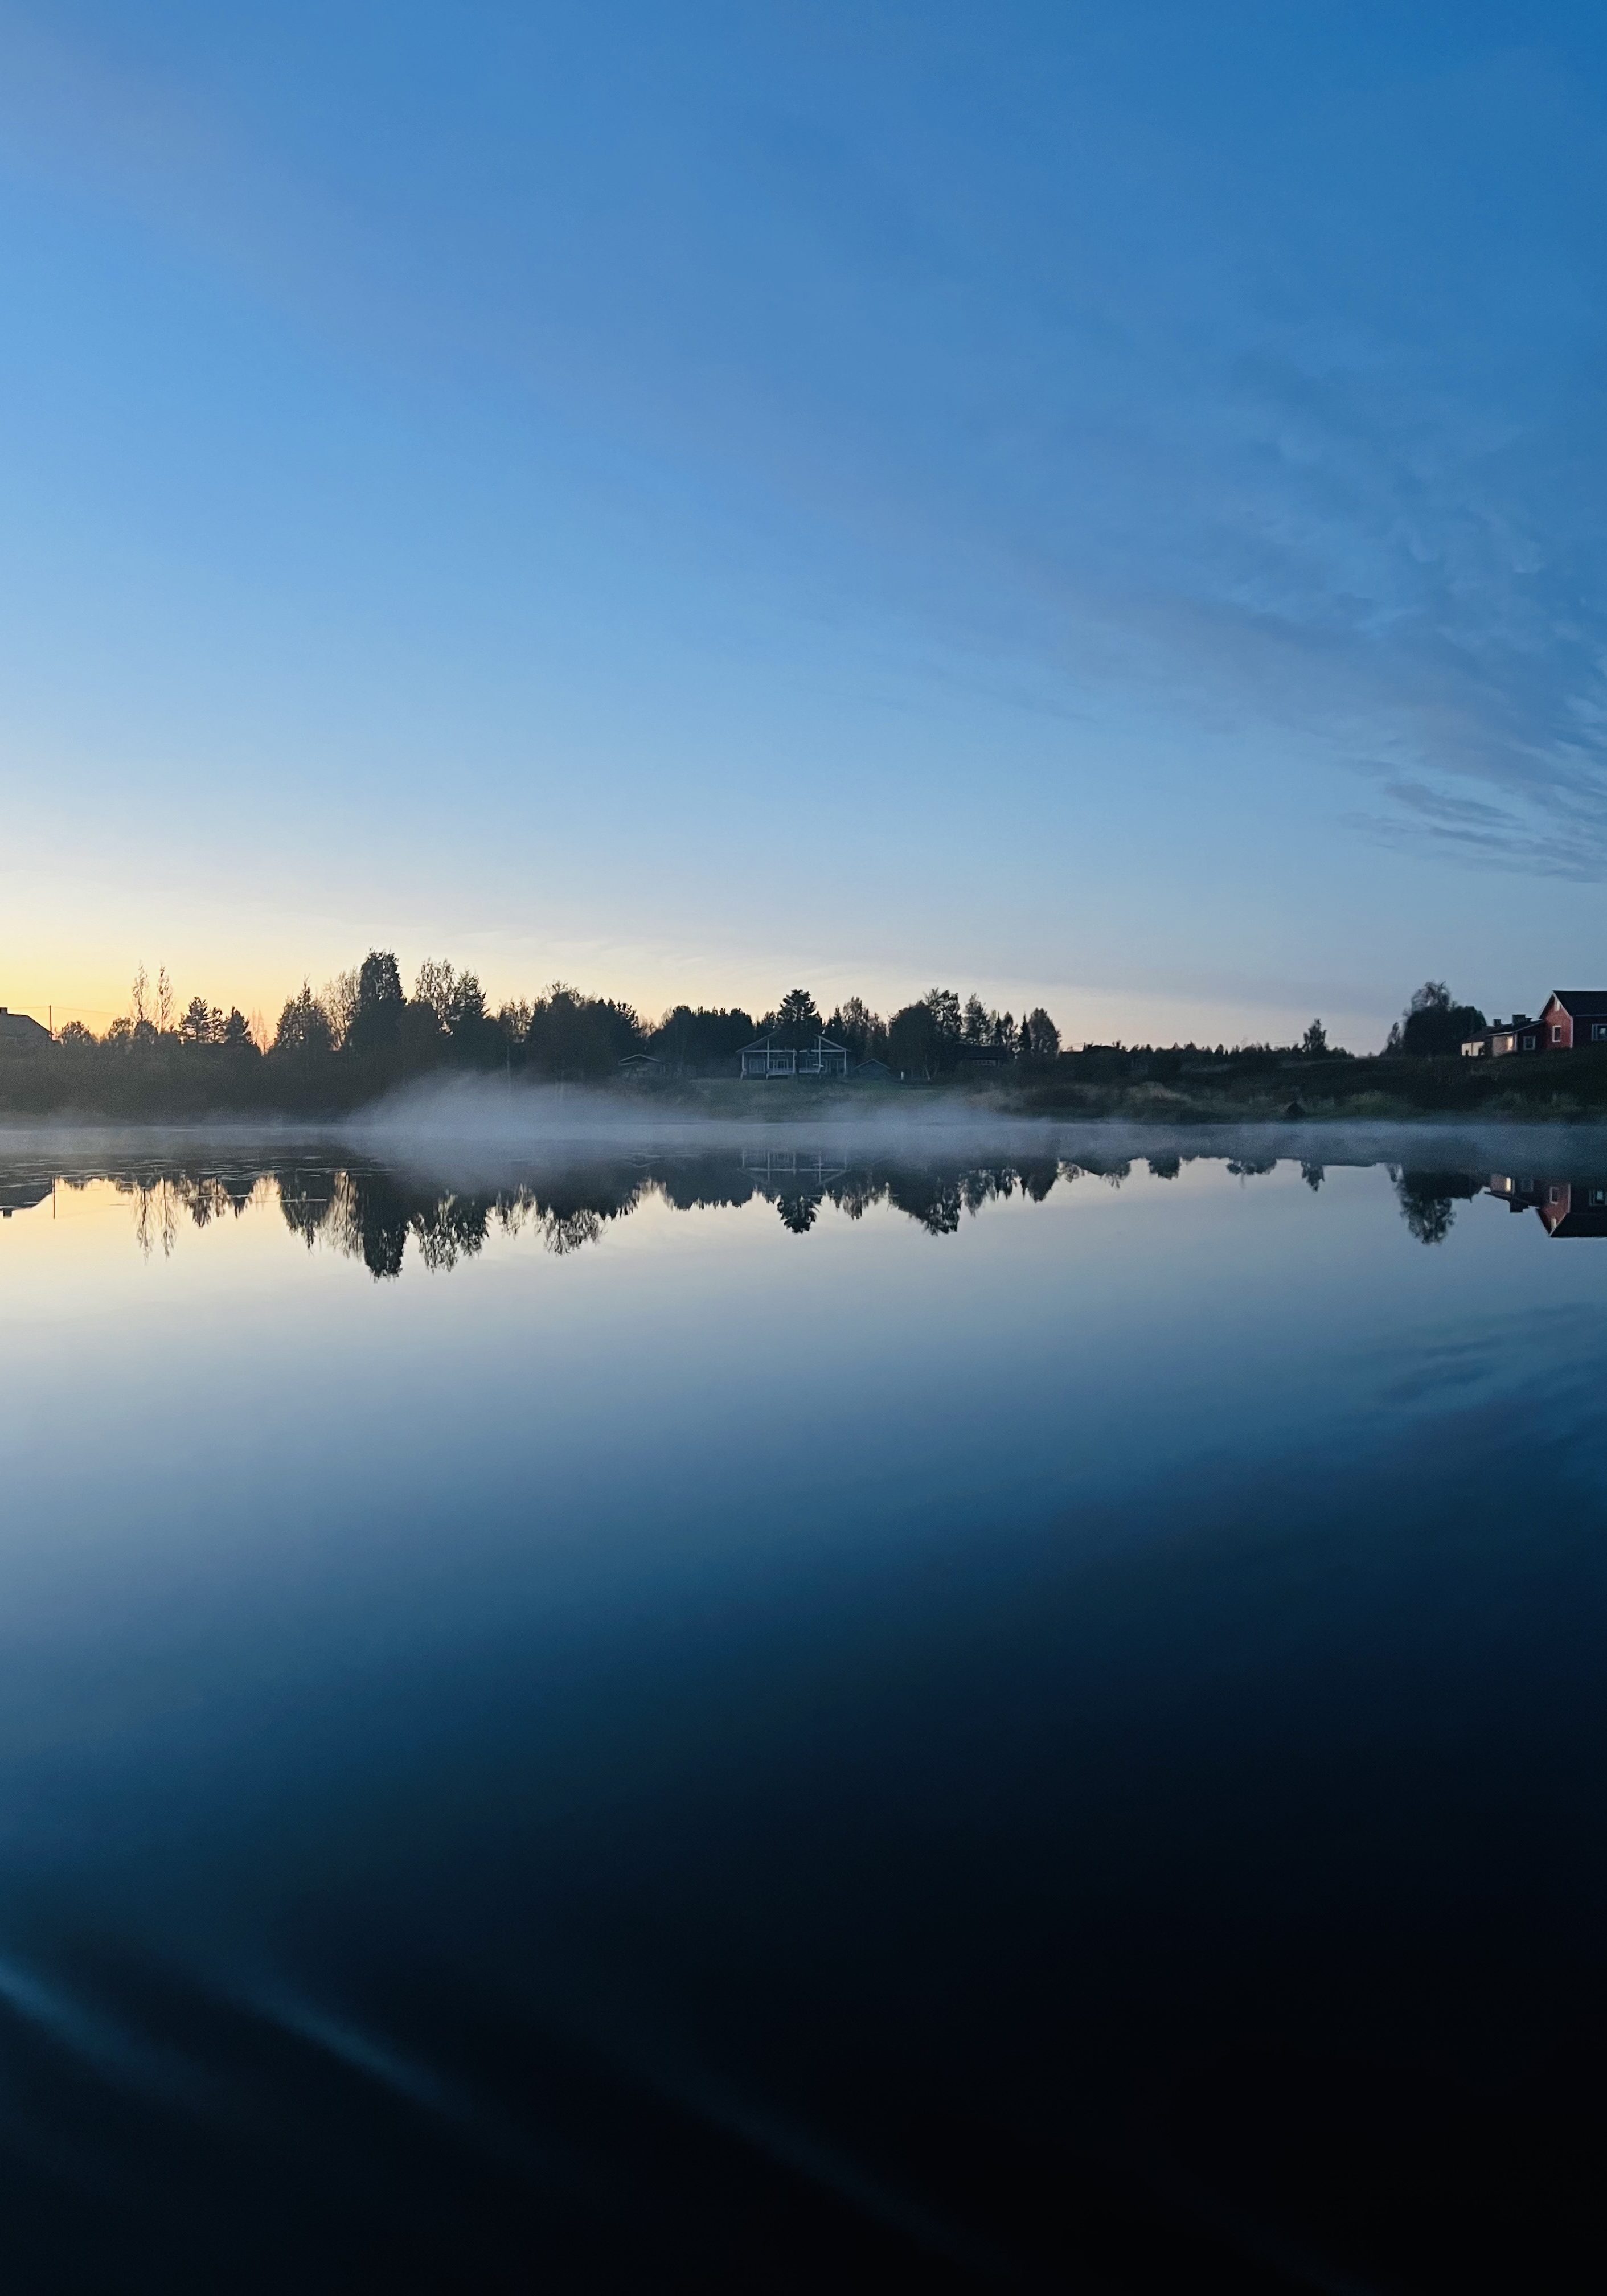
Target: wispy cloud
x=1101, y=374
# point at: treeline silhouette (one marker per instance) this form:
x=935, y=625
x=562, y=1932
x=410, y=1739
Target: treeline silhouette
x=340, y=1048
x=363, y=1032
x=563, y=1034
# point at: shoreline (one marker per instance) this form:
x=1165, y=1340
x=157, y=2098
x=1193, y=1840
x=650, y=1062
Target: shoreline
x=712, y=1106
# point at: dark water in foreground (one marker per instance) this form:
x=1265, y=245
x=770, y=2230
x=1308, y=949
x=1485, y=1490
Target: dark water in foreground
x=787, y=1722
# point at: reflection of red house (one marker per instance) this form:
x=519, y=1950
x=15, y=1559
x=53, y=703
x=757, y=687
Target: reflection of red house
x=1567, y=1207
x=1568, y=1210
x=1573, y=1018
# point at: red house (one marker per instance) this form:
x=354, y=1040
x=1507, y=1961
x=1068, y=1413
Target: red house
x=1573, y=1018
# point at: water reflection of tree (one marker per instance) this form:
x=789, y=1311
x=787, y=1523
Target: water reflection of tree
x=162, y=1199
x=368, y=1220
x=374, y=1214
x=934, y=1201
x=1428, y=1200
x=562, y=1231
x=307, y=1199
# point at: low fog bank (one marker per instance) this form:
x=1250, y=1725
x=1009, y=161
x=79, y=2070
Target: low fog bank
x=538, y=1119
x=435, y=1173
x=482, y=1125
x=477, y=1130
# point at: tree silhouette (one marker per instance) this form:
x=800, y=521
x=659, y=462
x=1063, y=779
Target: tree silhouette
x=376, y=1024
x=1040, y=1038
x=1433, y=1023
x=304, y=1026
x=572, y=1036
x=200, y=1023
x=797, y=1019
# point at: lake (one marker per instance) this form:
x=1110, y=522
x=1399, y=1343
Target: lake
x=790, y=1711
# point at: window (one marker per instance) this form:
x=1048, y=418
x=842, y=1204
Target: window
x=1556, y=1032
x=1528, y=1044
x=1598, y=1032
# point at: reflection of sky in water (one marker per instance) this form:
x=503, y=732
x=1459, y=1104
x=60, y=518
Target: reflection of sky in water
x=310, y=1583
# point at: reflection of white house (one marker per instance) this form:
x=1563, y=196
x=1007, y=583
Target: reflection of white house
x=766, y=1058
x=785, y=1167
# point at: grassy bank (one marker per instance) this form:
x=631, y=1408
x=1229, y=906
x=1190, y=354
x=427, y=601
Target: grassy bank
x=1177, y=1088
x=168, y=1086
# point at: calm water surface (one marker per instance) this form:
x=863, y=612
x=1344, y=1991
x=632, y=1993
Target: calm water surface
x=782, y=1717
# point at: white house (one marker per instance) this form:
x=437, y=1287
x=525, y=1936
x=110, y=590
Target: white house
x=766, y=1058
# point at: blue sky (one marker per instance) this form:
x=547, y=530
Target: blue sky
x=1105, y=506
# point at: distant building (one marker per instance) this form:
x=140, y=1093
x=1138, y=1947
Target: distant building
x=1572, y=1019
x=766, y=1058
x=641, y=1064
x=20, y=1033
x=873, y=1072
x=1518, y=1034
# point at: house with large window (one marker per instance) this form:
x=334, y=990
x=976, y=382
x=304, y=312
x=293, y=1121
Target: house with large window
x=765, y=1058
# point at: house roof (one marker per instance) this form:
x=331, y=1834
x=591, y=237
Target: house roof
x=21, y=1028
x=1580, y=1000
x=761, y=1044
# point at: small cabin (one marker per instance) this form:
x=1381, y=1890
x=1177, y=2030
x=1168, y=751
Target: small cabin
x=765, y=1058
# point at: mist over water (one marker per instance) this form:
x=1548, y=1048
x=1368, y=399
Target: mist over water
x=588, y=1700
